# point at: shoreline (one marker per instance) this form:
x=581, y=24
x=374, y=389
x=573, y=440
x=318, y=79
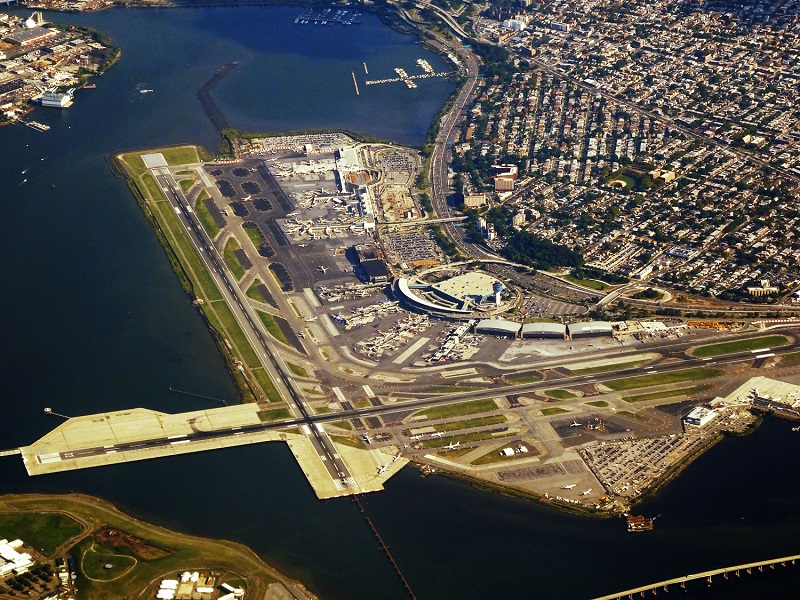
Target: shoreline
x=94, y=513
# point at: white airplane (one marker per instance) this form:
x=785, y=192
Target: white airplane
x=437, y=434
x=366, y=438
x=415, y=437
x=247, y=198
x=310, y=319
x=323, y=269
x=452, y=446
x=586, y=492
x=302, y=245
x=382, y=469
x=568, y=487
x=576, y=424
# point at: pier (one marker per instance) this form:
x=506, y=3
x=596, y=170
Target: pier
x=705, y=576
x=407, y=79
x=355, y=83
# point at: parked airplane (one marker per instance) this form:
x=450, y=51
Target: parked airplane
x=245, y=199
x=302, y=245
x=452, y=446
x=586, y=492
x=310, y=319
x=576, y=424
x=323, y=269
x=366, y=438
x=437, y=434
x=382, y=469
x=568, y=487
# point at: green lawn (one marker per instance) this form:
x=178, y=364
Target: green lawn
x=252, y=291
x=343, y=425
x=598, y=403
x=45, y=531
x=593, y=284
x=297, y=369
x=322, y=410
x=560, y=394
x=223, y=320
x=255, y=236
x=209, y=224
x=524, y=378
x=348, y=441
x=272, y=327
x=152, y=187
x=230, y=258
x=181, y=155
x=479, y=422
x=609, y=367
x=186, y=184
x=688, y=391
x=769, y=341
x=445, y=441
x=458, y=409
x=645, y=381
x=265, y=382
x=274, y=414
x=554, y=410
x=791, y=359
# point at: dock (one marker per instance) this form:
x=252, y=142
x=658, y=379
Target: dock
x=140, y=434
x=355, y=83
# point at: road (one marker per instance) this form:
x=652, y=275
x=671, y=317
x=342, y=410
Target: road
x=250, y=325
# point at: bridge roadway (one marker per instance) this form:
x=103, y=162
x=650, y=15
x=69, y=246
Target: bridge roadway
x=247, y=320
x=705, y=575
x=322, y=442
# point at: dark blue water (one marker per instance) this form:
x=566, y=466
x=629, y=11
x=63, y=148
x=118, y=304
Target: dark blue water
x=95, y=320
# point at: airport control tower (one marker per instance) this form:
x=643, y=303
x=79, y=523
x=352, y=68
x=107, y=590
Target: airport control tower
x=498, y=289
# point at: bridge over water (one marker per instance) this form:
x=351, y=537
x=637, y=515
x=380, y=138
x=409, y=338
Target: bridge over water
x=706, y=576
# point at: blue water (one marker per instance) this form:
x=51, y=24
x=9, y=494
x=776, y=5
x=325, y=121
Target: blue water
x=95, y=320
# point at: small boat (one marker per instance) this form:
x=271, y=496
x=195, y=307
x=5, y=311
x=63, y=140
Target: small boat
x=145, y=91
x=638, y=523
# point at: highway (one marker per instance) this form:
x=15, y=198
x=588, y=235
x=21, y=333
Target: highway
x=247, y=321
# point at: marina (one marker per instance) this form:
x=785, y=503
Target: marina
x=329, y=16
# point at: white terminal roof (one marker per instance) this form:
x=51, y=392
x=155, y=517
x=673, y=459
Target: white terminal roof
x=467, y=285
x=498, y=325
x=544, y=328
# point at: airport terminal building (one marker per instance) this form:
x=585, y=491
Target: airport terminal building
x=462, y=296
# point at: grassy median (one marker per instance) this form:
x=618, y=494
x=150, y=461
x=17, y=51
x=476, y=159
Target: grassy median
x=769, y=341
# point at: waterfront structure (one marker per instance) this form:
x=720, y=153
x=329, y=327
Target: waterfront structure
x=57, y=99
x=13, y=561
x=30, y=36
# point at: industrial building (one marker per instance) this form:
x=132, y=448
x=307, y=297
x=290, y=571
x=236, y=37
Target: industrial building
x=12, y=561
x=57, y=99
x=699, y=416
x=590, y=329
x=498, y=327
x=544, y=330
x=27, y=37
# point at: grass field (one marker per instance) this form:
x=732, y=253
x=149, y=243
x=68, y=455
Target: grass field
x=560, y=394
x=769, y=341
x=461, y=408
x=593, y=284
x=791, y=359
x=688, y=391
x=252, y=291
x=93, y=558
x=645, y=381
x=205, y=218
x=186, y=184
x=553, y=410
x=348, y=441
x=479, y=422
x=297, y=369
x=46, y=531
x=274, y=414
x=524, y=378
x=272, y=327
x=598, y=403
x=457, y=439
x=230, y=258
x=265, y=382
x=609, y=367
x=180, y=155
x=255, y=236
